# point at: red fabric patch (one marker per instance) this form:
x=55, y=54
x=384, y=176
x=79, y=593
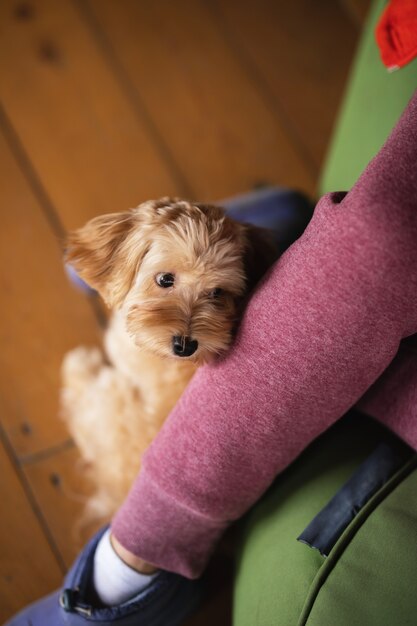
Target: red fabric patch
x=396, y=33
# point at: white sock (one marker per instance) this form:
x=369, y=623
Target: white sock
x=114, y=581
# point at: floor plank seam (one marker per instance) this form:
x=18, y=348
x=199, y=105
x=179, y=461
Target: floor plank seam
x=32, y=500
x=131, y=92
x=47, y=207
x=42, y=455
x=270, y=100
x=29, y=172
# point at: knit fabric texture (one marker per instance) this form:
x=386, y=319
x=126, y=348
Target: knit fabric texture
x=330, y=326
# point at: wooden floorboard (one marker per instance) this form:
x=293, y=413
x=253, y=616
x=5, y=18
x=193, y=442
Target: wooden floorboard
x=61, y=491
x=299, y=54
x=105, y=104
x=28, y=566
x=41, y=316
x=89, y=147
x=218, y=126
x=357, y=10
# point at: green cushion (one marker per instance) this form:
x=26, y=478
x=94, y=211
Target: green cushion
x=370, y=577
x=276, y=574
x=372, y=104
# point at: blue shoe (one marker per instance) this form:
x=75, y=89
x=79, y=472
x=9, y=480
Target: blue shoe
x=167, y=601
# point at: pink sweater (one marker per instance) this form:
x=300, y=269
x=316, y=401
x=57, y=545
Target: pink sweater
x=329, y=327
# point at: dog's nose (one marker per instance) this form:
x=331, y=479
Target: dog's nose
x=184, y=346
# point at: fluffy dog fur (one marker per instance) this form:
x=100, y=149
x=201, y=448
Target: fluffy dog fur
x=114, y=404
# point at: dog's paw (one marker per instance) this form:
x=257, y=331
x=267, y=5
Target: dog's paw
x=81, y=365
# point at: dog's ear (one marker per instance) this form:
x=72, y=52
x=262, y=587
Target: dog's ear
x=108, y=250
x=261, y=252
x=106, y=253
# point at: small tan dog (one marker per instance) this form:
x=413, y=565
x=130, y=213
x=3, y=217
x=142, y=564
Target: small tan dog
x=175, y=275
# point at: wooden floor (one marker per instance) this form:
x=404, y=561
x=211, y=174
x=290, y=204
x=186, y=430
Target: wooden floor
x=105, y=104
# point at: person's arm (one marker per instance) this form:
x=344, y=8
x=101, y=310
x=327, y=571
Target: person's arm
x=320, y=329
x=131, y=559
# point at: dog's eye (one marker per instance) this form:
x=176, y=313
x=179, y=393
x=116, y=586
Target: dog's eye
x=165, y=280
x=216, y=293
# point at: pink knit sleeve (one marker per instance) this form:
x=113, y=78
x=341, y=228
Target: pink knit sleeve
x=320, y=329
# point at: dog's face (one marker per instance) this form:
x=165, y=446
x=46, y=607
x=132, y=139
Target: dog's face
x=175, y=269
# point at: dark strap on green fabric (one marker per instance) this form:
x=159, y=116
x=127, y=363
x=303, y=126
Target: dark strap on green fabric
x=328, y=525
